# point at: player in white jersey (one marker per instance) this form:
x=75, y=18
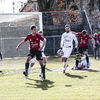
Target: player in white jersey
x=67, y=45
x=82, y=63
x=32, y=62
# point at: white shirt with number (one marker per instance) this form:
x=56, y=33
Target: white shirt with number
x=67, y=43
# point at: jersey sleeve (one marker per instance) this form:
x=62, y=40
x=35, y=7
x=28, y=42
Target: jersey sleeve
x=27, y=38
x=76, y=42
x=62, y=41
x=41, y=37
x=79, y=34
x=90, y=37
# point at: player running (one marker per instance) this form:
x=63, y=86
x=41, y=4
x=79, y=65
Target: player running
x=35, y=50
x=67, y=45
x=43, y=56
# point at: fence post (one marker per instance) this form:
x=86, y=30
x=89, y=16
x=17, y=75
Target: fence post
x=53, y=45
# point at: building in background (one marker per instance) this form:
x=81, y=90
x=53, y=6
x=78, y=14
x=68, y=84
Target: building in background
x=11, y=6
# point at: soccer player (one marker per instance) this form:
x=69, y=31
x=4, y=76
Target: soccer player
x=96, y=45
x=43, y=56
x=98, y=38
x=81, y=63
x=83, y=44
x=0, y=55
x=35, y=50
x=67, y=45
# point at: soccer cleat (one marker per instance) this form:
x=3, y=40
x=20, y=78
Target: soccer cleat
x=0, y=71
x=41, y=75
x=64, y=71
x=26, y=75
x=44, y=79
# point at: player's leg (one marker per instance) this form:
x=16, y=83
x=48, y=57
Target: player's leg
x=67, y=53
x=40, y=60
x=27, y=66
x=64, y=60
x=32, y=62
x=86, y=54
x=44, y=63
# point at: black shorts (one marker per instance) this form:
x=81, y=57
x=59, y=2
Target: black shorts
x=34, y=53
x=82, y=49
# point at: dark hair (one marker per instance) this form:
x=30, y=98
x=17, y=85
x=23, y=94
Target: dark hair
x=84, y=31
x=40, y=31
x=31, y=27
x=67, y=25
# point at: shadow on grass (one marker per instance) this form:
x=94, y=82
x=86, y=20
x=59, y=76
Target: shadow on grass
x=44, y=85
x=1, y=73
x=74, y=76
x=68, y=85
x=92, y=70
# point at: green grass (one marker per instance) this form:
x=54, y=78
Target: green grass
x=74, y=85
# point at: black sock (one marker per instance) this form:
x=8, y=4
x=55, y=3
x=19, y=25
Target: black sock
x=43, y=71
x=77, y=63
x=87, y=59
x=26, y=67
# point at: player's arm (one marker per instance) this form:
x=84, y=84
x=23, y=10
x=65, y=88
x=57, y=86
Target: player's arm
x=62, y=42
x=93, y=42
x=44, y=42
x=74, y=33
x=76, y=42
x=20, y=44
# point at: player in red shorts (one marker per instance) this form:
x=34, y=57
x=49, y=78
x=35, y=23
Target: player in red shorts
x=35, y=50
x=83, y=38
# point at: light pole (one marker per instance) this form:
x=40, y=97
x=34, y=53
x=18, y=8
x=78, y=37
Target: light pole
x=66, y=13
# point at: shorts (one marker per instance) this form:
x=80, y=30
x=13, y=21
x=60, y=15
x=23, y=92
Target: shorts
x=82, y=49
x=43, y=55
x=34, y=53
x=67, y=52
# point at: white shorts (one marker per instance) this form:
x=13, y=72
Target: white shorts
x=33, y=60
x=43, y=55
x=67, y=52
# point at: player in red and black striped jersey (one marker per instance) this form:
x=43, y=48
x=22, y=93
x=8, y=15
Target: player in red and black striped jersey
x=35, y=50
x=83, y=38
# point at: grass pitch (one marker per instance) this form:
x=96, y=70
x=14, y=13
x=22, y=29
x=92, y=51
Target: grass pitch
x=74, y=85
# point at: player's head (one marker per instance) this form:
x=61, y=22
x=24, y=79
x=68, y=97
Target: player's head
x=33, y=28
x=67, y=28
x=84, y=32
x=40, y=32
x=95, y=34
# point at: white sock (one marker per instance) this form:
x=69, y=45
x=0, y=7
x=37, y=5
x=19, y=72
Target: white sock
x=65, y=65
x=29, y=69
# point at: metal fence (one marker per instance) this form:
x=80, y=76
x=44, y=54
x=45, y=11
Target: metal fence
x=8, y=46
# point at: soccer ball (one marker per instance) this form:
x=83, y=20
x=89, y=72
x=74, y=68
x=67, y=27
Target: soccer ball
x=60, y=52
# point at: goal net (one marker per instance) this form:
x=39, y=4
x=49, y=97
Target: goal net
x=14, y=28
